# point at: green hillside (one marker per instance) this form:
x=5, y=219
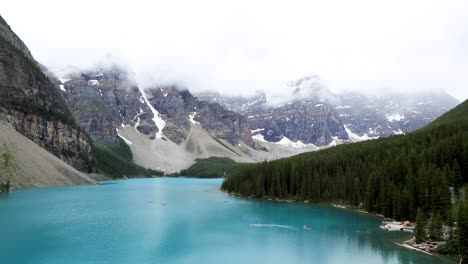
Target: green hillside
x=117, y=162
x=213, y=167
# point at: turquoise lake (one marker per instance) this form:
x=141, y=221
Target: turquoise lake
x=182, y=220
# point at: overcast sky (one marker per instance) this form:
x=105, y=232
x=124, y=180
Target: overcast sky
x=241, y=46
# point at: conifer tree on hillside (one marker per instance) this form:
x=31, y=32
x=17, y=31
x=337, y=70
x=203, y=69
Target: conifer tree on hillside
x=435, y=227
x=420, y=229
x=462, y=229
x=457, y=179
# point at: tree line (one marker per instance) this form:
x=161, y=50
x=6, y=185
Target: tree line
x=396, y=176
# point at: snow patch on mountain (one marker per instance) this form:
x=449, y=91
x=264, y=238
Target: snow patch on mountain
x=355, y=137
x=259, y=137
x=164, y=93
x=298, y=144
x=335, y=141
x=93, y=83
x=157, y=119
x=395, y=117
x=63, y=81
x=191, y=118
x=343, y=107
x=253, y=131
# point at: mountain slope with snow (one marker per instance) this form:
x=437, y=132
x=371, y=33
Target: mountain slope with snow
x=312, y=114
x=168, y=128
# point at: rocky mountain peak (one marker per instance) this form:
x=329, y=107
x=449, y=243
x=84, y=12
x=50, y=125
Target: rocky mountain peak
x=181, y=110
x=310, y=82
x=310, y=87
x=211, y=97
x=312, y=114
x=104, y=99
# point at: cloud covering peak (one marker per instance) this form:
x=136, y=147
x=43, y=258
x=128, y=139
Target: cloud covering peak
x=238, y=47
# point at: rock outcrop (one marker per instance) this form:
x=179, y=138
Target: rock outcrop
x=11, y=38
x=310, y=122
x=34, y=105
x=179, y=108
x=303, y=117
x=29, y=165
x=106, y=99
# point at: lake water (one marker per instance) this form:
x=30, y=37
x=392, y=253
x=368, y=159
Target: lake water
x=184, y=221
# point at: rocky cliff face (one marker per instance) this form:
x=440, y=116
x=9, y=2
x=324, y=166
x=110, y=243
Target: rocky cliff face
x=310, y=122
x=34, y=106
x=101, y=101
x=391, y=114
x=312, y=114
x=305, y=121
x=180, y=109
x=10, y=37
x=306, y=115
x=211, y=97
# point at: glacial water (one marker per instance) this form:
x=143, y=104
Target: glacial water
x=185, y=221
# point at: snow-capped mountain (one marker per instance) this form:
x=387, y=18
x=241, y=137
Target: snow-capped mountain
x=309, y=88
x=166, y=128
x=312, y=114
x=393, y=113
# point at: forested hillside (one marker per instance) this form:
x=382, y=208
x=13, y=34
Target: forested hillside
x=213, y=167
x=393, y=176
x=117, y=161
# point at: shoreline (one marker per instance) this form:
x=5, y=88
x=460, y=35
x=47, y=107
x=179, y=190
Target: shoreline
x=408, y=246
x=336, y=205
x=402, y=244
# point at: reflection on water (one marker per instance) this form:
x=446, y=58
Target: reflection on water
x=185, y=221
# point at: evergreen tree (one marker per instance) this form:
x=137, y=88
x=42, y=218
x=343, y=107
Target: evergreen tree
x=412, y=194
x=420, y=229
x=369, y=197
x=457, y=179
x=435, y=227
x=450, y=223
x=447, y=174
x=356, y=194
x=445, y=198
x=464, y=162
x=462, y=230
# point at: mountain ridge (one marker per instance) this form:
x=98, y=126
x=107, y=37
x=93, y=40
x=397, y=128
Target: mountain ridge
x=312, y=114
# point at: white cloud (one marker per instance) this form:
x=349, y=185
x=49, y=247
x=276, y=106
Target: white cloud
x=241, y=46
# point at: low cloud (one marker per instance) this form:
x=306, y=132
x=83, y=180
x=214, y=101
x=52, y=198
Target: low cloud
x=238, y=47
